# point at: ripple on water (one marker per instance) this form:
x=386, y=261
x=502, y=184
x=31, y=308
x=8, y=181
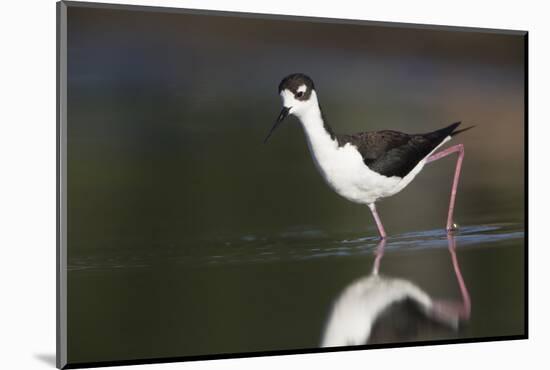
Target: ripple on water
x=290, y=245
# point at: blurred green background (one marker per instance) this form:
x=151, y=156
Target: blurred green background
x=166, y=117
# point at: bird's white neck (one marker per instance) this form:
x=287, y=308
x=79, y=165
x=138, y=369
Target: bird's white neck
x=318, y=138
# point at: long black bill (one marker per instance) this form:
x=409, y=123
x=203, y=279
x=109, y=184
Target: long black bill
x=282, y=116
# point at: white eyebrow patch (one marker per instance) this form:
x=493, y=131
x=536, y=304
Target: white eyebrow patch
x=302, y=88
x=287, y=96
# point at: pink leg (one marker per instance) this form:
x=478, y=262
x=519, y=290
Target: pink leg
x=452, y=309
x=467, y=303
x=456, y=148
x=379, y=253
x=378, y=222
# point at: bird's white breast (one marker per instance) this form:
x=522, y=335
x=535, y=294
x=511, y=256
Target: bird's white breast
x=343, y=168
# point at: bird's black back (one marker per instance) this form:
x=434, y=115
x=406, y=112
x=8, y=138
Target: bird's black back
x=393, y=153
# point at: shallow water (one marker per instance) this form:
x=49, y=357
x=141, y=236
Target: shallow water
x=269, y=292
x=287, y=246
x=187, y=236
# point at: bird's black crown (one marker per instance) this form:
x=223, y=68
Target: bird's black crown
x=294, y=81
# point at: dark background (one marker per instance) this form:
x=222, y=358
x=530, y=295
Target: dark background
x=166, y=168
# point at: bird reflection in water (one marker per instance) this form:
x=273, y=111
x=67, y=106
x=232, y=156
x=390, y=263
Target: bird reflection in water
x=382, y=309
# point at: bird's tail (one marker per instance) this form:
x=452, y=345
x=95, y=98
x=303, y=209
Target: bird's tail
x=450, y=130
x=461, y=130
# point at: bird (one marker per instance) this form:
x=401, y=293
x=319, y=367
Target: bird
x=367, y=166
x=378, y=309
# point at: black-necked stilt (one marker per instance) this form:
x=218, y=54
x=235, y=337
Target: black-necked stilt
x=378, y=308
x=366, y=166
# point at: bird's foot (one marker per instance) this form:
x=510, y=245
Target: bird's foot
x=452, y=228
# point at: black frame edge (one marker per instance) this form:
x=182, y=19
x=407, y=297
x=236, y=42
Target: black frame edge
x=526, y=179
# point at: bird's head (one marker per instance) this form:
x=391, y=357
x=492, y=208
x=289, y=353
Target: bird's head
x=298, y=96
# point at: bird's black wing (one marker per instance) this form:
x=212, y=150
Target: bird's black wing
x=393, y=153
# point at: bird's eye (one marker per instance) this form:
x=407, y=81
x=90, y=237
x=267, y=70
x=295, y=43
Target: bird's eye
x=299, y=94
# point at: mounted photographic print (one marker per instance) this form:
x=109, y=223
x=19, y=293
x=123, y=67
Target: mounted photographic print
x=234, y=185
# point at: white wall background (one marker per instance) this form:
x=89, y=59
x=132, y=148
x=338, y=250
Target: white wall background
x=27, y=182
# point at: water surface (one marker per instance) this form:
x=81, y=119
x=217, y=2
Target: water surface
x=271, y=292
